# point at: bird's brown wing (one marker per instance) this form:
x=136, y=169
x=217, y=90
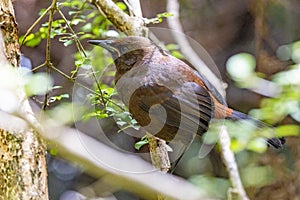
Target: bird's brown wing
x=168, y=113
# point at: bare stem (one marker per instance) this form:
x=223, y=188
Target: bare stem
x=125, y=23
x=48, y=45
x=230, y=163
x=35, y=23
x=187, y=50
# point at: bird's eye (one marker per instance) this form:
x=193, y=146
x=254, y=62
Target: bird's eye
x=124, y=49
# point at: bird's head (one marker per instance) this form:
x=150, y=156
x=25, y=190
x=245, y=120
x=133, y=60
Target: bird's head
x=120, y=46
x=127, y=52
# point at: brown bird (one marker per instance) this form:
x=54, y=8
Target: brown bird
x=167, y=97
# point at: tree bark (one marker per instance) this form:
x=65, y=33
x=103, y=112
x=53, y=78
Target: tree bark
x=22, y=155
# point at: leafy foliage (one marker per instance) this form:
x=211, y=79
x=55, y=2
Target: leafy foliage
x=75, y=21
x=272, y=110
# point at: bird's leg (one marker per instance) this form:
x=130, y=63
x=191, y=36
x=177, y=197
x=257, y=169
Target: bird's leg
x=159, y=153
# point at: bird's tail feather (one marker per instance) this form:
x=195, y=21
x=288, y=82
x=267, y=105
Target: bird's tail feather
x=274, y=142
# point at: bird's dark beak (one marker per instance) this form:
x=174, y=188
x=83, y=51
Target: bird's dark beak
x=106, y=44
x=102, y=43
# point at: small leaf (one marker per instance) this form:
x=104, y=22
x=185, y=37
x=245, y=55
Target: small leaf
x=77, y=21
x=121, y=123
x=110, y=109
x=257, y=175
x=56, y=87
x=32, y=41
x=73, y=12
x=42, y=11
x=177, y=54
x=165, y=14
x=121, y=5
x=258, y=145
x=102, y=115
x=67, y=43
x=140, y=143
x=53, y=151
x=241, y=66
x=34, y=86
x=287, y=130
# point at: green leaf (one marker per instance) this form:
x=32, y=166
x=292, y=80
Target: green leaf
x=72, y=12
x=58, y=98
x=165, y=14
x=214, y=187
x=241, y=66
x=87, y=27
x=77, y=21
x=121, y=5
x=32, y=40
x=177, y=54
x=53, y=151
x=257, y=175
x=33, y=85
x=67, y=43
x=257, y=145
x=296, y=52
x=287, y=130
x=102, y=115
x=121, y=123
x=56, y=87
x=110, y=109
x=42, y=11
x=140, y=143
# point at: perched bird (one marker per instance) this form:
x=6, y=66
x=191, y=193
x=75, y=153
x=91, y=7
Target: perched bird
x=166, y=96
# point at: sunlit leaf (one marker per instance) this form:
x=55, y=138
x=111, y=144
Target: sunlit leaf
x=140, y=143
x=240, y=66
x=77, y=21
x=31, y=40
x=67, y=43
x=257, y=176
x=42, y=11
x=296, y=52
x=287, y=130
x=283, y=52
x=257, y=145
x=215, y=187
x=33, y=85
x=121, y=5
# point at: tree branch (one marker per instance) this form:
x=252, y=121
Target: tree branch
x=187, y=50
x=231, y=166
x=122, y=21
x=126, y=171
x=23, y=173
x=192, y=57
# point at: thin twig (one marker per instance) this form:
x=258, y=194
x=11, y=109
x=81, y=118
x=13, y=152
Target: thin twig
x=125, y=23
x=35, y=23
x=228, y=156
x=83, y=54
x=81, y=85
x=230, y=163
x=77, y=42
x=48, y=46
x=187, y=50
x=134, y=7
x=38, y=67
x=80, y=9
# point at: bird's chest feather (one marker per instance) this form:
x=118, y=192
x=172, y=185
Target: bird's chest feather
x=161, y=92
